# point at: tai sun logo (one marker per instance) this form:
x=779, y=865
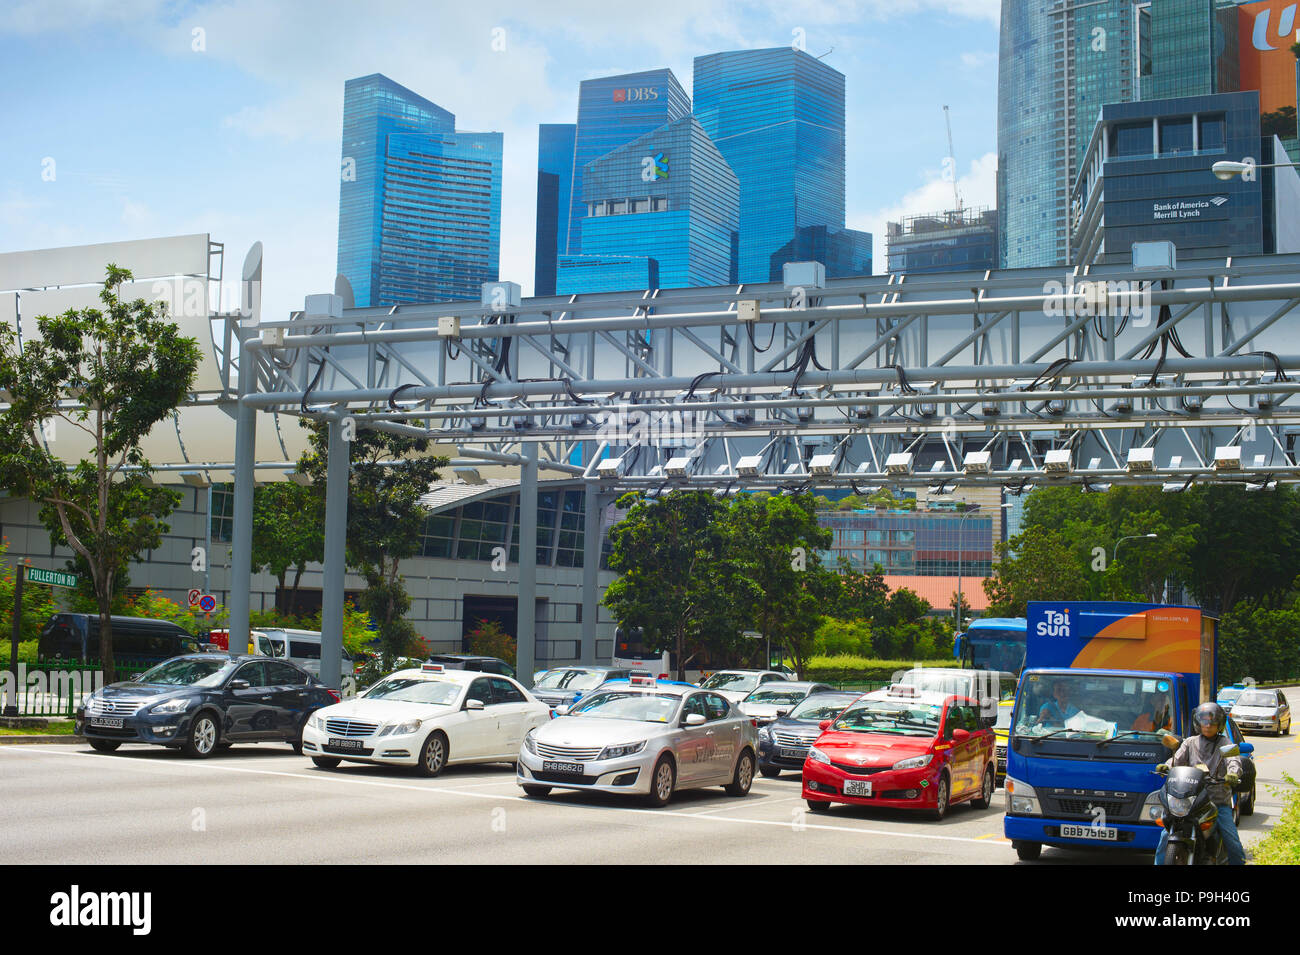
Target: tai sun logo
x=75, y=908
x=1056, y=624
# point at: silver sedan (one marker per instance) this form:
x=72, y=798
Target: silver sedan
x=648, y=737
x=1267, y=710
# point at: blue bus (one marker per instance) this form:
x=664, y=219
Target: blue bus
x=992, y=643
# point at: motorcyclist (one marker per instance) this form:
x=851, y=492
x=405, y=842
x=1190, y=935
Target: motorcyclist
x=1203, y=749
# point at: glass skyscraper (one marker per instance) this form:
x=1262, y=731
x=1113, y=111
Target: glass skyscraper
x=554, y=186
x=777, y=116
x=667, y=197
x=419, y=202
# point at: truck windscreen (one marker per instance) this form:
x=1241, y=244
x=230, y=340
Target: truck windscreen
x=1079, y=706
x=997, y=649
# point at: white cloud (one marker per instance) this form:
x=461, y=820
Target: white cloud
x=977, y=187
x=979, y=59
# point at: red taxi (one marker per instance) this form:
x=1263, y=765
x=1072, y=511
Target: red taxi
x=903, y=748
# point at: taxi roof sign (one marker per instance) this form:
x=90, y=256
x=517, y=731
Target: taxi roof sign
x=432, y=667
x=641, y=679
x=904, y=689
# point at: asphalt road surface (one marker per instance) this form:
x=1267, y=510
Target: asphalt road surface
x=260, y=803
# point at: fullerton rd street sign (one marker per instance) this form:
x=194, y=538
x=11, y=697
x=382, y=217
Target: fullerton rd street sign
x=55, y=578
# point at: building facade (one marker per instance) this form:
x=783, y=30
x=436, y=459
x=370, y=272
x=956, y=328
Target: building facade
x=419, y=201
x=952, y=241
x=777, y=116
x=554, y=184
x=667, y=196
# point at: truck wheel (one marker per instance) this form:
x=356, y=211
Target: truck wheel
x=1027, y=851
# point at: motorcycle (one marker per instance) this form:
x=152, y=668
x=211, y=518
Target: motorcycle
x=1190, y=815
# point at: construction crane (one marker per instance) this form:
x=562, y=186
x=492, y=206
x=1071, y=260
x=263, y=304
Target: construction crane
x=952, y=160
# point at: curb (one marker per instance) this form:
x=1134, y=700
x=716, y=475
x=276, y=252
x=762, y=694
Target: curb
x=36, y=738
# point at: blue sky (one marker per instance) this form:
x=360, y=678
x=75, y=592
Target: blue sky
x=130, y=119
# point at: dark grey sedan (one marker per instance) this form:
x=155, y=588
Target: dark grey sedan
x=564, y=686
x=202, y=702
x=783, y=744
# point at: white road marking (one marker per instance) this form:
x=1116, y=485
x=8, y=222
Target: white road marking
x=328, y=777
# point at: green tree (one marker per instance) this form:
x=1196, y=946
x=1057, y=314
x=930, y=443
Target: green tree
x=1247, y=545
x=288, y=533
x=388, y=475
x=1034, y=565
x=670, y=554
x=490, y=640
x=780, y=586
x=863, y=595
x=127, y=367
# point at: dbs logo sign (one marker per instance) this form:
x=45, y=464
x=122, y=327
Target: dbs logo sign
x=1259, y=36
x=636, y=94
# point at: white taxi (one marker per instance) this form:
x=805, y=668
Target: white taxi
x=428, y=718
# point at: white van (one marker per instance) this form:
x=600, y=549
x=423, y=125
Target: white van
x=303, y=648
x=987, y=687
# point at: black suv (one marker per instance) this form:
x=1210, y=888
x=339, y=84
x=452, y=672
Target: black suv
x=467, y=661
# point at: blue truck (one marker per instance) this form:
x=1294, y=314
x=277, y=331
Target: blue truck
x=992, y=643
x=1107, y=686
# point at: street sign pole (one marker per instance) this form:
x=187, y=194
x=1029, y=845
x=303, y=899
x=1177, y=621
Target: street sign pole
x=11, y=702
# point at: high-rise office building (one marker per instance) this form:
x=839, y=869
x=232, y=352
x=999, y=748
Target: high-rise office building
x=419, y=201
x=1190, y=47
x=777, y=116
x=613, y=111
x=666, y=204
x=554, y=183
x=953, y=241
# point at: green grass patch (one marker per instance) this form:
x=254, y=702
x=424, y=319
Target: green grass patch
x=62, y=728
x=846, y=668
x=1282, y=845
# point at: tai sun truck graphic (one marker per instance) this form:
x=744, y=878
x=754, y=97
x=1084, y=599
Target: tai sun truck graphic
x=1106, y=688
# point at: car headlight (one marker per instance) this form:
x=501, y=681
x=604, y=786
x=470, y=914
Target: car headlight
x=314, y=721
x=616, y=752
x=1180, y=805
x=400, y=729
x=178, y=705
x=817, y=756
x=1021, y=798
x=915, y=762
x=530, y=744
x=765, y=734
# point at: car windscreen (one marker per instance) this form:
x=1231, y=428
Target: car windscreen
x=731, y=681
x=412, y=690
x=1096, y=707
x=890, y=716
x=629, y=705
x=1230, y=693
x=571, y=680
x=821, y=707
x=776, y=697
x=189, y=672
x=1257, y=698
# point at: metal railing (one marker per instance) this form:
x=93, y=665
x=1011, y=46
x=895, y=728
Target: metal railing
x=57, y=687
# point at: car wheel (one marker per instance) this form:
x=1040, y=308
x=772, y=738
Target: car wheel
x=1248, y=802
x=224, y=745
x=202, y=737
x=296, y=743
x=1027, y=851
x=662, y=782
x=1287, y=731
x=433, y=755
x=537, y=792
x=103, y=745
x=769, y=772
x=326, y=762
x=816, y=805
x=744, y=777
x=941, y=793
x=985, y=798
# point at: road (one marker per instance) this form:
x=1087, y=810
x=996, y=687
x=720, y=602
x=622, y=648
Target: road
x=254, y=804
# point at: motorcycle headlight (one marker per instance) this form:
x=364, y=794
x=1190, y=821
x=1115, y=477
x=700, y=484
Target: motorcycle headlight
x=178, y=705
x=1180, y=805
x=627, y=749
x=529, y=743
x=817, y=756
x=915, y=762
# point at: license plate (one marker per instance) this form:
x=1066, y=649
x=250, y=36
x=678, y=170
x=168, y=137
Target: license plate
x=107, y=723
x=550, y=766
x=335, y=743
x=1090, y=832
x=792, y=753
x=857, y=787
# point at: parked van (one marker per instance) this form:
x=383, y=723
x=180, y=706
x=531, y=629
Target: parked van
x=75, y=636
x=303, y=648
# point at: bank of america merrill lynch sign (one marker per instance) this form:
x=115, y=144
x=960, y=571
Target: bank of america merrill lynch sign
x=1212, y=208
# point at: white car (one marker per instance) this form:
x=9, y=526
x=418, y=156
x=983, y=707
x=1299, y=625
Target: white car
x=428, y=718
x=776, y=698
x=647, y=737
x=735, y=685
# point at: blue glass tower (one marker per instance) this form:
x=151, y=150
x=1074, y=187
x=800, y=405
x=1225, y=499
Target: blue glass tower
x=665, y=205
x=419, y=202
x=554, y=187
x=612, y=111
x=777, y=116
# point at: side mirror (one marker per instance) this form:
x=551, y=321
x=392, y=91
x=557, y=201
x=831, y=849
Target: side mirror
x=694, y=719
x=1171, y=741
x=238, y=685
x=473, y=704
x=1229, y=750
x=781, y=714
x=960, y=735
x=824, y=725
x=561, y=710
